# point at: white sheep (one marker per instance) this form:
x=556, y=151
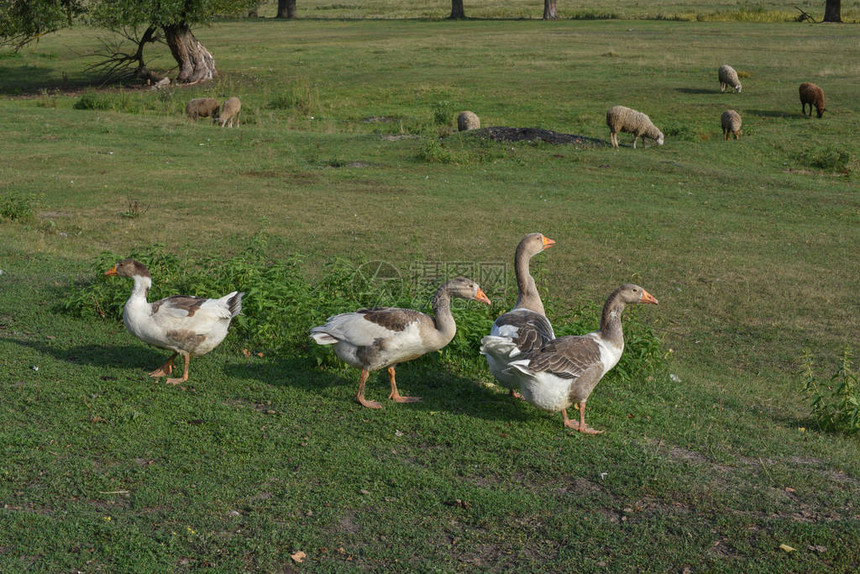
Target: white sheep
x=230, y=111
x=202, y=108
x=729, y=78
x=731, y=123
x=468, y=121
x=621, y=119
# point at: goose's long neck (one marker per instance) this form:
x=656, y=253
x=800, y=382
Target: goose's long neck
x=610, y=320
x=527, y=293
x=141, y=287
x=442, y=317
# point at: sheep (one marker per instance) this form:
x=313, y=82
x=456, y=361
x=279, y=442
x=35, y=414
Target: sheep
x=729, y=78
x=621, y=119
x=468, y=121
x=230, y=111
x=731, y=122
x=812, y=95
x=202, y=108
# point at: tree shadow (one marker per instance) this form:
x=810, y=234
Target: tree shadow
x=33, y=80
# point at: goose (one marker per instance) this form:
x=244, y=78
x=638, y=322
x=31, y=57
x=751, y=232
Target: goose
x=382, y=337
x=564, y=371
x=187, y=325
x=526, y=324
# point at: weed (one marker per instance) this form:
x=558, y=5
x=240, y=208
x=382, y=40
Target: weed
x=16, y=206
x=826, y=158
x=109, y=101
x=434, y=151
x=134, y=209
x=835, y=404
x=443, y=111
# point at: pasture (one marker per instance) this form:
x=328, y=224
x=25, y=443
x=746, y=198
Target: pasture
x=346, y=163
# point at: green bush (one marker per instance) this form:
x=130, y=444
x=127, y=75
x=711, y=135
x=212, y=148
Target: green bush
x=16, y=206
x=281, y=304
x=836, y=403
x=826, y=158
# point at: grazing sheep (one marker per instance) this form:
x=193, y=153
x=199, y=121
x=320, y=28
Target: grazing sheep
x=468, y=121
x=230, y=111
x=729, y=78
x=812, y=95
x=731, y=122
x=202, y=108
x=621, y=119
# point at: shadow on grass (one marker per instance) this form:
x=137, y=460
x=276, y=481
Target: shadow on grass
x=439, y=387
x=123, y=356
x=771, y=113
x=32, y=80
x=697, y=91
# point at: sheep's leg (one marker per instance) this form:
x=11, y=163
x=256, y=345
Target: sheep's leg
x=635, y=137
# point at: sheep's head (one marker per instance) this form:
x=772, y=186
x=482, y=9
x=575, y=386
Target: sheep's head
x=659, y=138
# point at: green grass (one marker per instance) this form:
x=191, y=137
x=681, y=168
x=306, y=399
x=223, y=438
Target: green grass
x=710, y=460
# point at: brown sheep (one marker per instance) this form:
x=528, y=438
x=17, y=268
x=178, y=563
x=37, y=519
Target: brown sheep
x=731, y=122
x=468, y=121
x=812, y=95
x=230, y=111
x=202, y=108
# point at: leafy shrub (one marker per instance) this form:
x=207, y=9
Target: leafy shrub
x=443, y=112
x=835, y=404
x=281, y=304
x=434, y=151
x=826, y=158
x=109, y=101
x=16, y=206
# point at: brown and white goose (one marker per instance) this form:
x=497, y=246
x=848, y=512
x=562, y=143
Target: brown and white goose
x=526, y=324
x=566, y=370
x=187, y=325
x=373, y=339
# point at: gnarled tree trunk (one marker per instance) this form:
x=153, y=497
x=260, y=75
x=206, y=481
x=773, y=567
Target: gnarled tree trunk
x=196, y=63
x=286, y=9
x=549, y=11
x=457, y=10
x=833, y=11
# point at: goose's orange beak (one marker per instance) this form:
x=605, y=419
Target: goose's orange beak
x=482, y=297
x=647, y=297
x=111, y=271
x=547, y=242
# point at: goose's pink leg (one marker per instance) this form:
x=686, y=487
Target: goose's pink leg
x=166, y=369
x=360, y=396
x=184, y=378
x=396, y=396
x=583, y=428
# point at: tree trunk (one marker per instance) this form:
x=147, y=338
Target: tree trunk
x=457, y=10
x=833, y=11
x=196, y=63
x=286, y=9
x=549, y=11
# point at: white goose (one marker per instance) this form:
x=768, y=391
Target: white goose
x=186, y=325
x=526, y=324
x=566, y=370
x=373, y=339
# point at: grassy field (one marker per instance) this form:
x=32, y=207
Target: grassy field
x=347, y=156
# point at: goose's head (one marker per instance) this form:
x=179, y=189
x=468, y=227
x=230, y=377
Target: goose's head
x=128, y=268
x=466, y=289
x=630, y=293
x=534, y=243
